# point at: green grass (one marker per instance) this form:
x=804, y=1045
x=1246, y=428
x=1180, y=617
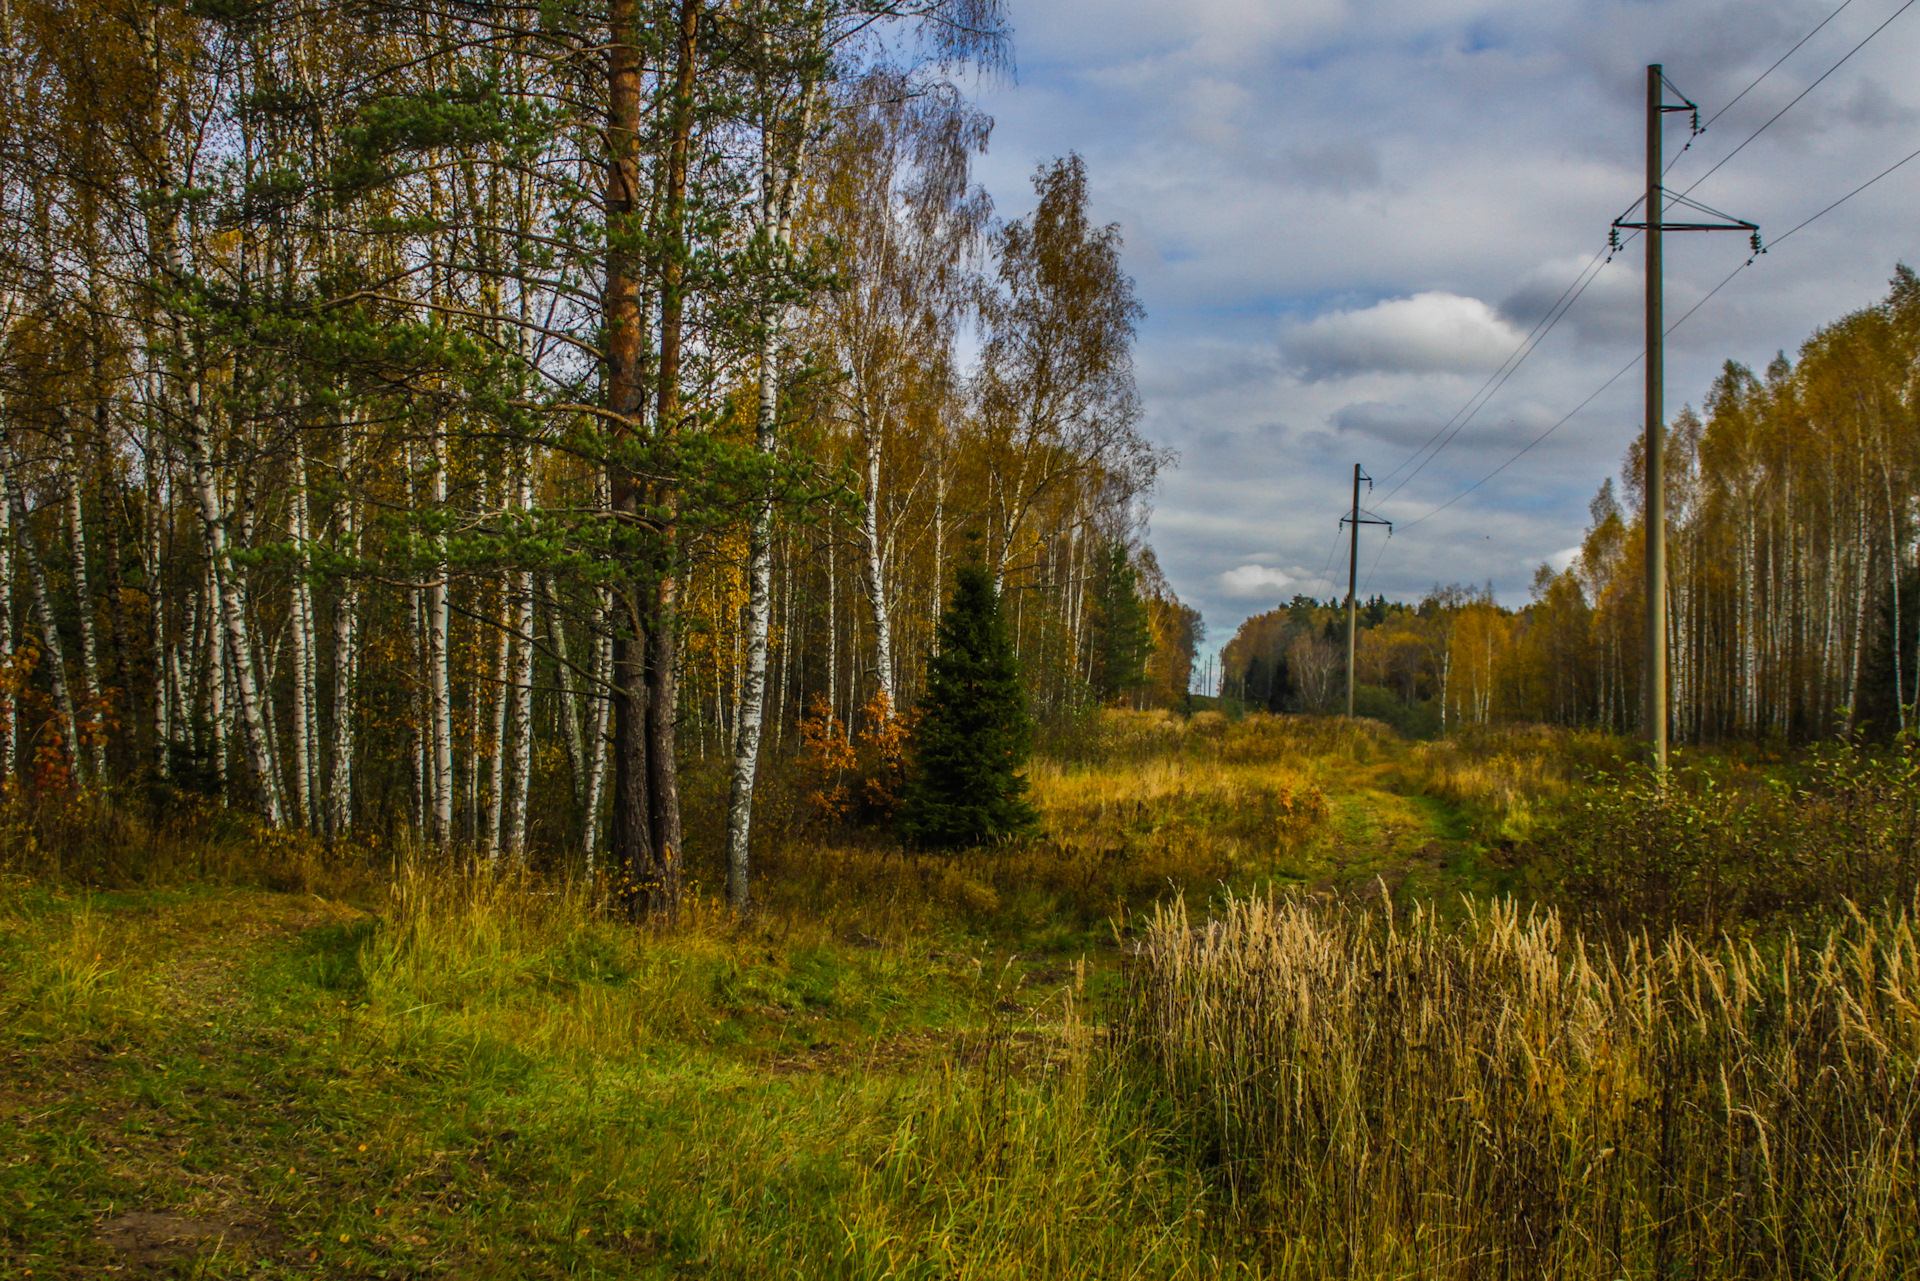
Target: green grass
x=278, y=1081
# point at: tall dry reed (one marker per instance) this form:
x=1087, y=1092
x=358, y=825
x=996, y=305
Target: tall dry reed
x=1497, y=1097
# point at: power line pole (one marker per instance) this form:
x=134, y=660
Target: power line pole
x=1353, y=570
x=1654, y=717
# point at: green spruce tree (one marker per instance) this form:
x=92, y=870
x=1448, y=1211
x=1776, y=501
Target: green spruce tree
x=1125, y=640
x=973, y=736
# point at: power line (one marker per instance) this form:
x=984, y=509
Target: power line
x=1327, y=569
x=1776, y=65
x=1797, y=97
x=1829, y=209
x=1376, y=562
x=1528, y=447
x=1499, y=378
x=1588, y=275
x=1514, y=358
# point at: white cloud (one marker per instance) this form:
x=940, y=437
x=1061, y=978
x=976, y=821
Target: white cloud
x=1563, y=558
x=1432, y=332
x=1255, y=580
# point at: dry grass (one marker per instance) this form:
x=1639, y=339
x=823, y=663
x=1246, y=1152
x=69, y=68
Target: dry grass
x=1499, y=1098
x=1511, y=780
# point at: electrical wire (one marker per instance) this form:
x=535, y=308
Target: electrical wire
x=1326, y=569
x=1528, y=447
x=1588, y=276
x=1361, y=594
x=1776, y=65
x=1797, y=97
x=1499, y=378
x=1518, y=354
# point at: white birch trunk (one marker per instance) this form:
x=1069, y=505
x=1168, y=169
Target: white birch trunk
x=305, y=756
x=569, y=702
x=491, y=803
x=596, y=745
x=52, y=653
x=750, y=704
x=6, y=634
x=876, y=572
x=92, y=711
x=516, y=839
x=238, y=642
x=439, y=695
x=346, y=661
x=159, y=652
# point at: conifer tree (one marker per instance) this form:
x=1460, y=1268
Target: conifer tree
x=974, y=734
x=1125, y=641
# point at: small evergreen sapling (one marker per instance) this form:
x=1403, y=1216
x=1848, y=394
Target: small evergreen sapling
x=973, y=736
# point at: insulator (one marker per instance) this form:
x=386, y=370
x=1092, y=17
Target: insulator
x=1613, y=239
x=1696, y=122
x=1757, y=246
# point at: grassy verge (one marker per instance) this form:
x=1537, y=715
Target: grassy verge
x=1000, y=1064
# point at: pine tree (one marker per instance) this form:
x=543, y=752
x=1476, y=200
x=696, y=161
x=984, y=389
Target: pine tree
x=974, y=734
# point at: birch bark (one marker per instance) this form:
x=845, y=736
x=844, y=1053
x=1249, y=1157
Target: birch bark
x=776, y=215
x=53, y=654
x=346, y=659
x=439, y=693
x=522, y=690
x=93, y=710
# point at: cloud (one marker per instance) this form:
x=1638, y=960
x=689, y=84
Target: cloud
x=1563, y=558
x=1394, y=424
x=1339, y=167
x=1255, y=580
x=1430, y=332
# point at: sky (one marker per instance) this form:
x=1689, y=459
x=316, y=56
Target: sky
x=1342, y=216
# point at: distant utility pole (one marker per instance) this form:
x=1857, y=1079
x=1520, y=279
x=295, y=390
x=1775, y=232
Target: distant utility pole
x=1656, y=201
x=1353, y=569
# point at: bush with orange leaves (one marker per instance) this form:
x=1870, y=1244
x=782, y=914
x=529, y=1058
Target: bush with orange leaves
x=848, y=781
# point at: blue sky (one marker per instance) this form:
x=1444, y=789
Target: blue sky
x=1342, y=215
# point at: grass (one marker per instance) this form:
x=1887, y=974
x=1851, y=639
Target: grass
x=1176, y=1037
x=1412, y=1097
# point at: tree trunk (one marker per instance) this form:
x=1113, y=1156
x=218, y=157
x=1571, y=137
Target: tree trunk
x=93, y=712
x=439, y=692
x=522, y=690
x=53, y=654
x=346, y=624
x=305, y=656
x=749, y=717
x=238, y=640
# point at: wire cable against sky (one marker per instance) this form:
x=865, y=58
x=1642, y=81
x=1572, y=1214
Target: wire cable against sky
x=1472, y=410
x=1755, y=83
x=1514, y=358
x=1571, y=295
x=1797, y=97
x=1327, y=569
x=1776, y=65
x=1376, y=562
x=1829, y=209
x=1528, y=447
